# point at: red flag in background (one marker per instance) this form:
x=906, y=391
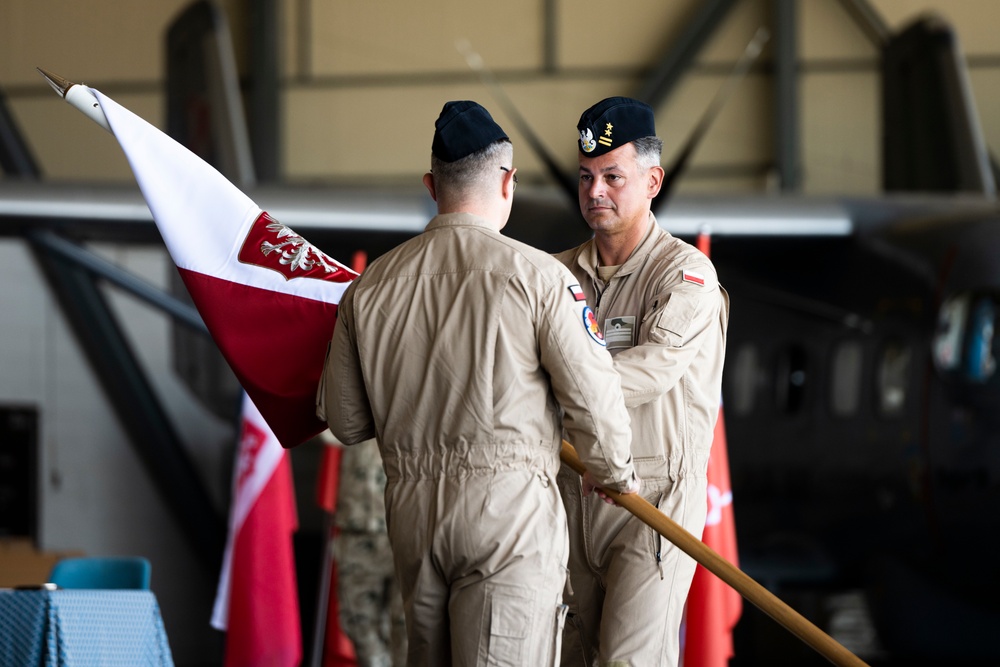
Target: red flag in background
x=713, y=607
x=257, y=602
x=246, y=273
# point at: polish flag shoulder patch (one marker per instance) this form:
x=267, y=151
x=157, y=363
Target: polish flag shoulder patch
x=693, y=277
x=577, y=293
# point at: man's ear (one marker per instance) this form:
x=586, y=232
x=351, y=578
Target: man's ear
x=655, y=182
x=429, y=184
x=508, y=184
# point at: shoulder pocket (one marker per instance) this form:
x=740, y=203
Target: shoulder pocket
x=671, y=325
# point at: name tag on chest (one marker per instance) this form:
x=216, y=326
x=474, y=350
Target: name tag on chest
x=619, y=332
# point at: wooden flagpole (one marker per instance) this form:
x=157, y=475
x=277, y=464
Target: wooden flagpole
x=766, y=601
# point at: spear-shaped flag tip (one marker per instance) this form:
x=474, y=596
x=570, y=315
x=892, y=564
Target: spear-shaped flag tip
x=59, y=84
x=79, y=96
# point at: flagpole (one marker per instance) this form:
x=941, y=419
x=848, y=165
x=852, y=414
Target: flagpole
x=766, y=601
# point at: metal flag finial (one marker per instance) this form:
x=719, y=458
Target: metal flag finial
x=79, y=96
x=59, y=84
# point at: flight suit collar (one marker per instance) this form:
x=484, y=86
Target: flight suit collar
x=458, y=220
x=587, y=258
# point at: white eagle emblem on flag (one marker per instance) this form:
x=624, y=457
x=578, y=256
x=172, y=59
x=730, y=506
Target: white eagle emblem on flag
x=284, y=251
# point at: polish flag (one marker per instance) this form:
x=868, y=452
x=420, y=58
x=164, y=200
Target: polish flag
x=268, y=297
x=713, y=607
x=257, y=602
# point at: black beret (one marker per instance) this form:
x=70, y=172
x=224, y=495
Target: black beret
x=614, y=122
x=464, y=128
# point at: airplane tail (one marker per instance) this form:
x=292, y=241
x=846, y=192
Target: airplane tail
x=932, y=139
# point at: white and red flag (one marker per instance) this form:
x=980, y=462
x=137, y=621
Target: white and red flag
x=268, y=297
x=257, y=601
x=713, y=607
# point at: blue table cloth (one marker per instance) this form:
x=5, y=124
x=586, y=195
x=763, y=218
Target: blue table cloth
x=68, y=628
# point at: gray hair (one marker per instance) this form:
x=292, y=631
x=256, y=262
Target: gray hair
x=475, y=172
x=647, y=152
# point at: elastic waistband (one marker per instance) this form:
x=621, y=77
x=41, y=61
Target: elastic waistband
x=466, y=460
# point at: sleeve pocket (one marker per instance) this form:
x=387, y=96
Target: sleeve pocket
x=671, y=326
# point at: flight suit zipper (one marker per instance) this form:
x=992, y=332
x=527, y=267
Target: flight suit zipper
x=600, y=294
x=600, y=297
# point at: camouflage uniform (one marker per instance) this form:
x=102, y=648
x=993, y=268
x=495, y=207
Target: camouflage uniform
x=371, y=608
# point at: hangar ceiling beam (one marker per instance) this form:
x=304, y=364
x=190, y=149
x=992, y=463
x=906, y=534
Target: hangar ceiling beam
x=787, y=144
x=15, y=157
x=98, y=266
x=869, y=20
x=263, y=107
x=682, y=51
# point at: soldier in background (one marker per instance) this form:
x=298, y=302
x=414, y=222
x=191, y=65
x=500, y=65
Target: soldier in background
x=371, y=607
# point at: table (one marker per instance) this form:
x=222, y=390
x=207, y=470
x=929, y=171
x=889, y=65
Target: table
x=67, y=628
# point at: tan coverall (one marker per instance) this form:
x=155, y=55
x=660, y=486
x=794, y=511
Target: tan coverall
x=457, y=350
x=664, y=317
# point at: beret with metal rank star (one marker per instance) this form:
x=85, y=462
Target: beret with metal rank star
x=464, y=128
x=613, y=122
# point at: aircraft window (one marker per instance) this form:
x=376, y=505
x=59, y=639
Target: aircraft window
x=893, y=373
x=746, y=370
x=790, y=385
x=965, y=341
x=950, y=331
x=845, y=390
x=980, y=364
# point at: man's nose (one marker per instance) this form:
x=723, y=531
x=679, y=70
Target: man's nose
x=595, y=189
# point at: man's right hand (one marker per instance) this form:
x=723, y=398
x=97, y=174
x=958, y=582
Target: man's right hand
x=590, y=485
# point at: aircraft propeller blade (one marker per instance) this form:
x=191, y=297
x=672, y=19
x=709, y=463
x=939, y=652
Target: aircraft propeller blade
x=476, y=63
x=750, y=54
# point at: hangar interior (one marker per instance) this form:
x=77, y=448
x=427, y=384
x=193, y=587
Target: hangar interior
x=340, y=96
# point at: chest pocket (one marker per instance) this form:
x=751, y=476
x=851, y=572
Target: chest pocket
x=669, y=325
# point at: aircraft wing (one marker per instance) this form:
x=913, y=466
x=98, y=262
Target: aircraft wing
x=356, y=216
x=756, y=216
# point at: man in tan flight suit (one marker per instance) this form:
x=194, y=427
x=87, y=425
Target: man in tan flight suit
x=664, y=315
x=465, y=353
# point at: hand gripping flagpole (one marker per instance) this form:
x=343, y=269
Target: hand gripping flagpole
x=766, y=601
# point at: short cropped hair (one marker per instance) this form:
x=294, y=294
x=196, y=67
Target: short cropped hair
x=648, y=151
x=475, y=172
